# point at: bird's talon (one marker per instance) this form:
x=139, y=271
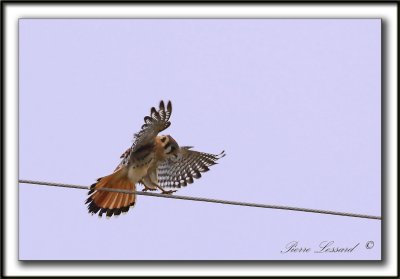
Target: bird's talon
x=148, y=189
x=168, y=192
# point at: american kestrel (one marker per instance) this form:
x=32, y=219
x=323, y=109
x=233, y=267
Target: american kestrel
x=154, y=161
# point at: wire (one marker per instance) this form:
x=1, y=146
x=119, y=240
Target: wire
x=206, y=200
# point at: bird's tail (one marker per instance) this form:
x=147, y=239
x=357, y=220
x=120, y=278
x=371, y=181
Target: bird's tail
x=111, y=203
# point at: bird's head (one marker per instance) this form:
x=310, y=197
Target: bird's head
x=171, y=147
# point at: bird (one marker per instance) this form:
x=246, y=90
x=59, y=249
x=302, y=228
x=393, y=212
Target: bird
x=154, y=161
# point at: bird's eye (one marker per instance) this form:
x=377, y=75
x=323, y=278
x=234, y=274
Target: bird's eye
x=163, y=139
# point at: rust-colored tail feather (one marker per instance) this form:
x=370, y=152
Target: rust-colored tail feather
x=111, y=203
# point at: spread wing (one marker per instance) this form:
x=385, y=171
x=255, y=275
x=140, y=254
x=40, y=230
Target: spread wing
x=157, y=121
x=188, y=165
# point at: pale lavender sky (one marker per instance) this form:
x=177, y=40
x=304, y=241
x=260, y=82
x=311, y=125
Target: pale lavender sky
x=294, y=103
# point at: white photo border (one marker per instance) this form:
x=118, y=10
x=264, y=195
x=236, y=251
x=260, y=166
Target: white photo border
x=13, y=11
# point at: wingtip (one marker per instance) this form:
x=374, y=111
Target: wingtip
x=162, y=105
x=169, y=106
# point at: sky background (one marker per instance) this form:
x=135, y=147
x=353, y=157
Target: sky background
x=294, y=103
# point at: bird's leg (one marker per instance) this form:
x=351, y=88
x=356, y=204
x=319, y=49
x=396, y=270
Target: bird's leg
x=148, y=184
x=166, y=192
x=145, y=189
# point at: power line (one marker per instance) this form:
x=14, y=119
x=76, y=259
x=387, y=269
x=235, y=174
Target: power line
x=205, y=200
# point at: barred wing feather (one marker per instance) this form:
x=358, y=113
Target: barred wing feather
x=189, y=165
x=155, y=123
